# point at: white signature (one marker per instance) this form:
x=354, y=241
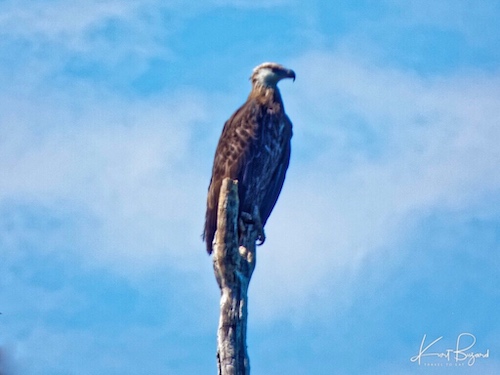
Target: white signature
x=460, y=353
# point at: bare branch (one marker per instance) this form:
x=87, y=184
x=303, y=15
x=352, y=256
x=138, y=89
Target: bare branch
x=234, y=262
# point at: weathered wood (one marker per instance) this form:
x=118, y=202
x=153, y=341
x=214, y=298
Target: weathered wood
x=233, y=267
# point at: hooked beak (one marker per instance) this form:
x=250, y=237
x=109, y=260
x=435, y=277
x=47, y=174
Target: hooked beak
x=290, y=74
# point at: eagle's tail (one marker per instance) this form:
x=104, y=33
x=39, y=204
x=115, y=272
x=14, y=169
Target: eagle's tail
x=209, y=230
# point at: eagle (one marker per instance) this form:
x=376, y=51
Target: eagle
x=254, y=148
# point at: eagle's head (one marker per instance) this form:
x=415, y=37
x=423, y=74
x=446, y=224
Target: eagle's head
x=269, y=74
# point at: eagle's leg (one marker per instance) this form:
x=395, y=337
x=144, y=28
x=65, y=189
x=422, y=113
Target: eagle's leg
x=247, y=218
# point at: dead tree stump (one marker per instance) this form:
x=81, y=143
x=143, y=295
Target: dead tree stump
x=234, y=262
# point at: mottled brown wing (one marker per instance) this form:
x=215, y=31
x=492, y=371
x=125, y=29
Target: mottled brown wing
x=279, y=174
x=230, y=155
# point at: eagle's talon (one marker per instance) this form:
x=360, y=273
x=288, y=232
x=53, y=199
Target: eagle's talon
x=248, y=219
x=261, y=235
x=261, y=238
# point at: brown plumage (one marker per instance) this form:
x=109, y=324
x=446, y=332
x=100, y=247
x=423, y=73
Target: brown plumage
x=254, y=149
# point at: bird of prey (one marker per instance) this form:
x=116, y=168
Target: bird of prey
x=254, y=149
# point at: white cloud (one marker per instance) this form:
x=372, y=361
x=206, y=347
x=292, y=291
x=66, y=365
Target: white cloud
x=74, y=24
x=439, y=152
x=125, y=164
x=131, y=174
x=54, y=19
x=128, y=167
x=62, y=21
x=50, y=37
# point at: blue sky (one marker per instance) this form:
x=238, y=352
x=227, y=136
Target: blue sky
x=388, y=227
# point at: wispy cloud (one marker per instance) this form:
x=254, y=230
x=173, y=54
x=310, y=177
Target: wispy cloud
x=126, y=165
x=123, y=163
x=59, y=41
x=438, y=151
x=100, y=181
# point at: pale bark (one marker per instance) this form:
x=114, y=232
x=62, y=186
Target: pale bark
x=234, y=262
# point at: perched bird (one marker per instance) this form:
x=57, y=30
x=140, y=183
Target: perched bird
x=254, y=149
